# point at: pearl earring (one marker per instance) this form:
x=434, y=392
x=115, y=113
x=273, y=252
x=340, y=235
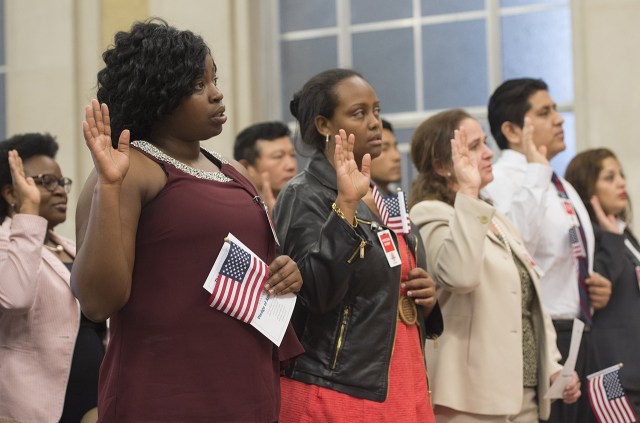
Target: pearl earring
x=326, y=138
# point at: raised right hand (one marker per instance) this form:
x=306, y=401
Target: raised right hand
x=465, y=165
x=353, y=183
x=532, y=153
x=607, y=222
x=266, y=192
x=24, y=187
x=111, y=164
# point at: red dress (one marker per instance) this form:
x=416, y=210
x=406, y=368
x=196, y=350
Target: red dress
x=171, y=357
x=408, y=396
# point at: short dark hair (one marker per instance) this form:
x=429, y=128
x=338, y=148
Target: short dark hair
x=147, y=73
x=509, y=103
x=318, y=98
x=387, y=125
x=27, y=146
x=245, y=144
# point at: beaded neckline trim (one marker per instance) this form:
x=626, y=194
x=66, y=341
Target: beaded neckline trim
x=200, y=174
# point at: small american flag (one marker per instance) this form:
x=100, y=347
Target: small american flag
x=238, y=277
x=576, y=243
x=393, y=211
x=607, y=398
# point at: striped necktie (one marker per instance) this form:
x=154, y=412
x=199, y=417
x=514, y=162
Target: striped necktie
x=579, y=248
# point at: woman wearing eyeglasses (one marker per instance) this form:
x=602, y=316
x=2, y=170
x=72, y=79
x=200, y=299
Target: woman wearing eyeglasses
x=50, y=353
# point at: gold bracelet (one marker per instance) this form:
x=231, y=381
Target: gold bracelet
x=336, y=209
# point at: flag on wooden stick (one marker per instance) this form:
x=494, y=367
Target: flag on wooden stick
x=607, y=398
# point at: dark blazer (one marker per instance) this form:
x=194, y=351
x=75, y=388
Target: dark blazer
x=615, y=334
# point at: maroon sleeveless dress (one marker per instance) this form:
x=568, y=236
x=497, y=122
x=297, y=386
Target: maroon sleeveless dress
x=171, y=357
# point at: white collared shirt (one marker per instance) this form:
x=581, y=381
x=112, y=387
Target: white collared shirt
x=524, y=192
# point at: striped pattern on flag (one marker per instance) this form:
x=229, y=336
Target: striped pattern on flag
x=398, y=214
x=382, y=208
x=239, y=282
x=607, y=398
x=393, y=211
x=576, y=244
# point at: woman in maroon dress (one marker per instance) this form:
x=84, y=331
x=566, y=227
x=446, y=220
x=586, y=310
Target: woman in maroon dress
x=151, y=220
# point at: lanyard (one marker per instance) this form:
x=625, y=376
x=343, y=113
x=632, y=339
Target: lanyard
x=576, y=233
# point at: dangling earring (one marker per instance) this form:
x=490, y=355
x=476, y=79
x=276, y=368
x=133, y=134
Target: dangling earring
x=326, y=138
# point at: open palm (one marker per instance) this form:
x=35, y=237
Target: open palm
x=532, y=153
x=608, y=222
x=24, y=187
x=111, y=164
x=465, y=165
x=353, y=183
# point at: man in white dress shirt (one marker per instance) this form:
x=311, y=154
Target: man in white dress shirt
x=528, y=129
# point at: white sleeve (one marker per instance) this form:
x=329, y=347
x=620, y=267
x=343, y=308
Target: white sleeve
x=523, y=203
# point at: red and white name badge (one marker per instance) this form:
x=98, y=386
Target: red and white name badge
x=568, y=207
x=390, y=250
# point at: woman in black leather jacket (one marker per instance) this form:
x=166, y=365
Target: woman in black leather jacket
x=362, y=315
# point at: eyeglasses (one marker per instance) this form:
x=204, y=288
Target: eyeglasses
x=50, y=182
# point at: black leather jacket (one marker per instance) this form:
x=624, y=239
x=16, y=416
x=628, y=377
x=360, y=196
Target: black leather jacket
x=346, y=313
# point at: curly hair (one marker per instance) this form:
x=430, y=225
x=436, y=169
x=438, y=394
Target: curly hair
x=148, y=72
x=431, y=145
x=318, y=98
x=583, y=172
x=27, y=146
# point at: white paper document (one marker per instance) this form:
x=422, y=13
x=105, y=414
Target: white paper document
x=236, y=284
x=273, y=315
x=556, y=389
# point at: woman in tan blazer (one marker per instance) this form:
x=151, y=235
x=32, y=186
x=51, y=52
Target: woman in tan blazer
x=49, y=355
x=498, y=355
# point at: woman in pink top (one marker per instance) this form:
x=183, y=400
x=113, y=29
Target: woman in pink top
x=49, y=353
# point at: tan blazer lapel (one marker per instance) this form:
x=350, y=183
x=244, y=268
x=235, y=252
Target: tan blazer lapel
x=494, y=238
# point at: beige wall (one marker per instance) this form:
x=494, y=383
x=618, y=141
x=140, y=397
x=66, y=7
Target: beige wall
x=54, y=52
x=606, y=40
x=54, y=48
x=41, y=77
